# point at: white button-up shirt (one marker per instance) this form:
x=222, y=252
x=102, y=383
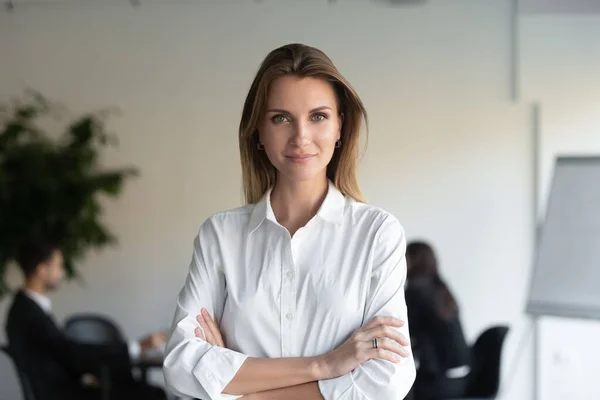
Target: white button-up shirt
x=43, y=301
x=281, y=296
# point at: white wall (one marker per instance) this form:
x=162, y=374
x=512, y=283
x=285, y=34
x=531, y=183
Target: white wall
x=561, y=71
x=449, y=154
x=558, y=6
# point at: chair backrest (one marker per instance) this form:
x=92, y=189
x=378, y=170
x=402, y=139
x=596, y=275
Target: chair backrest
x=14, y=385
x=486, y=353
x=92, y=329
x=99, y=329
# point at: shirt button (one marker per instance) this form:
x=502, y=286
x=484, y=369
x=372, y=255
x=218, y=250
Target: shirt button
x=289, y=316
x=290, y=274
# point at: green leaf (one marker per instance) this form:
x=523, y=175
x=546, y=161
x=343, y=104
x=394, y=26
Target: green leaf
x=50, y=187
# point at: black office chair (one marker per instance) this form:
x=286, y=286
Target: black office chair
x=484, y=380
x=14, y=381
x=93, y=329
x=97, y=329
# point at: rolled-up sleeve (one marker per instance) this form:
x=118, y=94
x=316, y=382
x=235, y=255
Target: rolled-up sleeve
x=378, y=379
x=192, y=367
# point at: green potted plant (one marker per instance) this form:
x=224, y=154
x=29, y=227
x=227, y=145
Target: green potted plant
x=51, y=180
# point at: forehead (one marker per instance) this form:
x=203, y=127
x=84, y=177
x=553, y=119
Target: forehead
x=293, y=93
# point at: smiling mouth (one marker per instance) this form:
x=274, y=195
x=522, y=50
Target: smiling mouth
x=301, y=158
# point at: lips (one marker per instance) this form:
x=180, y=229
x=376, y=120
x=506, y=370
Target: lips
x=300, y=156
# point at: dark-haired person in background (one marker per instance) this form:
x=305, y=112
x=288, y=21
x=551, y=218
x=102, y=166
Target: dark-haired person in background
x=438, y=341
x=53, y=363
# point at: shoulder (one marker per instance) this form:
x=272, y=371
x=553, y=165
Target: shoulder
x=21, y=300
x=226, y=221
x=22, y=308
x=383, y=223
x=232, y=216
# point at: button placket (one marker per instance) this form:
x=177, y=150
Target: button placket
x=288, y=308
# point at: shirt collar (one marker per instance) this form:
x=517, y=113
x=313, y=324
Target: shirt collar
x=43, y=301
x=331, y=210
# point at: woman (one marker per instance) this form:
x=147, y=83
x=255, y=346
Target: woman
x=306, y=281
x=438, y=340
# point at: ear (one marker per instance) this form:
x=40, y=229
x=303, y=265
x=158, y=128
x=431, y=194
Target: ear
x=41, y=270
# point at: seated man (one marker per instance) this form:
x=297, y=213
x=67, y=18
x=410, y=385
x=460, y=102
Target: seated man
x=54, y=363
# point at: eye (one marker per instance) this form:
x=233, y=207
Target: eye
x=279, y=118
x=319, y=117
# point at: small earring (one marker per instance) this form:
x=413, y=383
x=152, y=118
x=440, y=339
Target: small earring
x=260, y=146
x=338, y=144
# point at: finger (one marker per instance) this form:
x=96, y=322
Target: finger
x=385, y=332
x=383, y=320
x=207, y=333
x=214, y=328
x=383, y=353
x=198, y=333
x=382, y=343
x=210, y=329
x=393, y=346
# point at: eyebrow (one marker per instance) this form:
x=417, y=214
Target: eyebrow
x=280, y=110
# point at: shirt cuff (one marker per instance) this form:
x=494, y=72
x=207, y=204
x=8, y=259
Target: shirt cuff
x=216, y=369
x=135, y=349
x=333, y=389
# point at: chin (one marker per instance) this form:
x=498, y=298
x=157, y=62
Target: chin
x=303, y=176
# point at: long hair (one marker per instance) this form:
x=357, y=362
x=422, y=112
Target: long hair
x=258, y=174
x=422, y=263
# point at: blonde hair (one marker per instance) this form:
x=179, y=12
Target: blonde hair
x=258, y=173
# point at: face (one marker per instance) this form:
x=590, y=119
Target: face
x=52, y=271
x=300, y=127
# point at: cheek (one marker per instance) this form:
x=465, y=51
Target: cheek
x=331, y=131
x=275, y=142
x=59, y=273
x=326, y=140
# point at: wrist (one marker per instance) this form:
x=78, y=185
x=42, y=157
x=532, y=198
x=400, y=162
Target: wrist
x=320, y=368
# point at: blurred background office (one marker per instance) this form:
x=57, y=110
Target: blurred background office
x=469, y=101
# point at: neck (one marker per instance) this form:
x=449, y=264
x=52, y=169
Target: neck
x=36, y=286
x=296, y=203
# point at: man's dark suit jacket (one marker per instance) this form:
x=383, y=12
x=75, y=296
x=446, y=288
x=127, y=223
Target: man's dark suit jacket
x=54, y=363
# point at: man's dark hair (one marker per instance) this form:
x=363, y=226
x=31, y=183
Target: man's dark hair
x=33, y=253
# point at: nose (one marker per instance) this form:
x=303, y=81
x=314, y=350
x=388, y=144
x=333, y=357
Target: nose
x=301, y=134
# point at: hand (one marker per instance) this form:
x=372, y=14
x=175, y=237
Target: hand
x=153, y=341
x=359, y=347
x=212, y=333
